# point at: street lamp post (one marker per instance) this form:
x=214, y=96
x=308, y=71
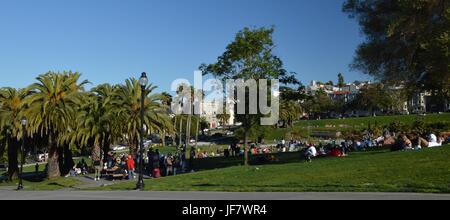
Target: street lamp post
x=24, y=131
x=143, y=81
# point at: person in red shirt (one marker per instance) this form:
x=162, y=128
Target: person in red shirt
x=130, y=167
x=335, y=152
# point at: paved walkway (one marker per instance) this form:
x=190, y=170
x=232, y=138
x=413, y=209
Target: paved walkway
x=137, y=195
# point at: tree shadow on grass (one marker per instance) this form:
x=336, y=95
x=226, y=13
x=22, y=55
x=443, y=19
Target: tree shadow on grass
x=224, y=162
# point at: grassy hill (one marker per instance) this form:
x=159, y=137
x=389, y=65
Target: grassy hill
x=350, y=124
x=378, y=171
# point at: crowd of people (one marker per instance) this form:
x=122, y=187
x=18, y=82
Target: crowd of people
x=156, y=164
x=396, y=142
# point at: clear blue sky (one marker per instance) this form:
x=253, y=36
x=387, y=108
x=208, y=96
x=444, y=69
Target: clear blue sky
x=111, y=40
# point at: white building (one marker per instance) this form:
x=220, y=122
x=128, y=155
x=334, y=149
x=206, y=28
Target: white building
x=211, y=109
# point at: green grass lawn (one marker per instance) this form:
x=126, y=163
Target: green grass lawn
x=210, y=149
x=376, y=171
x=379, y=120
x=32, y=183
x=349, y=124
x=45, y=185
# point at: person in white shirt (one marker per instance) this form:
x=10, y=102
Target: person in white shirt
x=432, y=141
x=310, y=153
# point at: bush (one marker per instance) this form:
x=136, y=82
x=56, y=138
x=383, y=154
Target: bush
x=397, y=126
x=419, y=127
x=440, y=126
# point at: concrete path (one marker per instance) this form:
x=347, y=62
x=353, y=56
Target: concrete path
x=137, y=195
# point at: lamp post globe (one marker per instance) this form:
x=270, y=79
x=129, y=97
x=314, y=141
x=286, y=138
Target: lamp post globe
x=24, y=121
x=143, y=81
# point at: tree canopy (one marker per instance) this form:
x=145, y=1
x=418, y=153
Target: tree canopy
x=407, y=42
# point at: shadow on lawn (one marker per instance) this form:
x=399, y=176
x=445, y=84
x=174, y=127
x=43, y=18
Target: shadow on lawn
x=28, y=176
x=223, y=162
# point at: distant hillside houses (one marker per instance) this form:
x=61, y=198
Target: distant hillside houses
x=416, y=103
x=346, y=93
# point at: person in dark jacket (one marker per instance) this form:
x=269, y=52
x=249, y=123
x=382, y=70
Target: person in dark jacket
x=191, y=159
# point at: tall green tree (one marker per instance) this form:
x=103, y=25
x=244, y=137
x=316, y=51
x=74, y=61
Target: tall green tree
x=319, y=103
x=290, y=111
x=52, y=110
x=98, y=122
x=373, y=98
x=156, y=117
x=11, y=111
x=249, y=56
x=407, y=42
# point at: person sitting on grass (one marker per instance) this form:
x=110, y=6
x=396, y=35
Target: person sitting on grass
x=407, y=143
x=335, y=152
x=344, y=147
x=433, y=141
x=83, y=167
x=310, y=153
x=388, y=139
x=445, y=137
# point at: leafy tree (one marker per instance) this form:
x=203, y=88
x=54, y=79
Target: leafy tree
x=318, y=103
x=52, y=109
x=223, y=118
x=249, y=56
x=290, y=111
x=156, y=118
x=98, y=121
x=407, y=42
x=204, y=124
x=373, y=98
x=11, y=112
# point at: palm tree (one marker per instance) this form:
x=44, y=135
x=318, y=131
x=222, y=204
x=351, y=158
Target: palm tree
x=11, y=112
x=52, y=110
x=156, y=117
x=289, y=112
x=166, y=100
x=223, y=118
x=98, y=119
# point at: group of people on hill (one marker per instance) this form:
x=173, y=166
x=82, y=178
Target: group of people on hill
x=414, y=141
x=157, y=164
x=400, y=142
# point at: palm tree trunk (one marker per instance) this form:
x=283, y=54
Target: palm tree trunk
x=197, y=130
x=180, y=132
x=53, y=158
x=2, y=148
x=164, y=138
x=68, y=160
x=174, y=135
x=246, y=134
x=188, y=129
x=106, y=143
x=13, y=163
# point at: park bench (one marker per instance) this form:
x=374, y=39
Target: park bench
x=112, y=174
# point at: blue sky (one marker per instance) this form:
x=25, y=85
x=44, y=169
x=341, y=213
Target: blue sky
x=111, y=40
